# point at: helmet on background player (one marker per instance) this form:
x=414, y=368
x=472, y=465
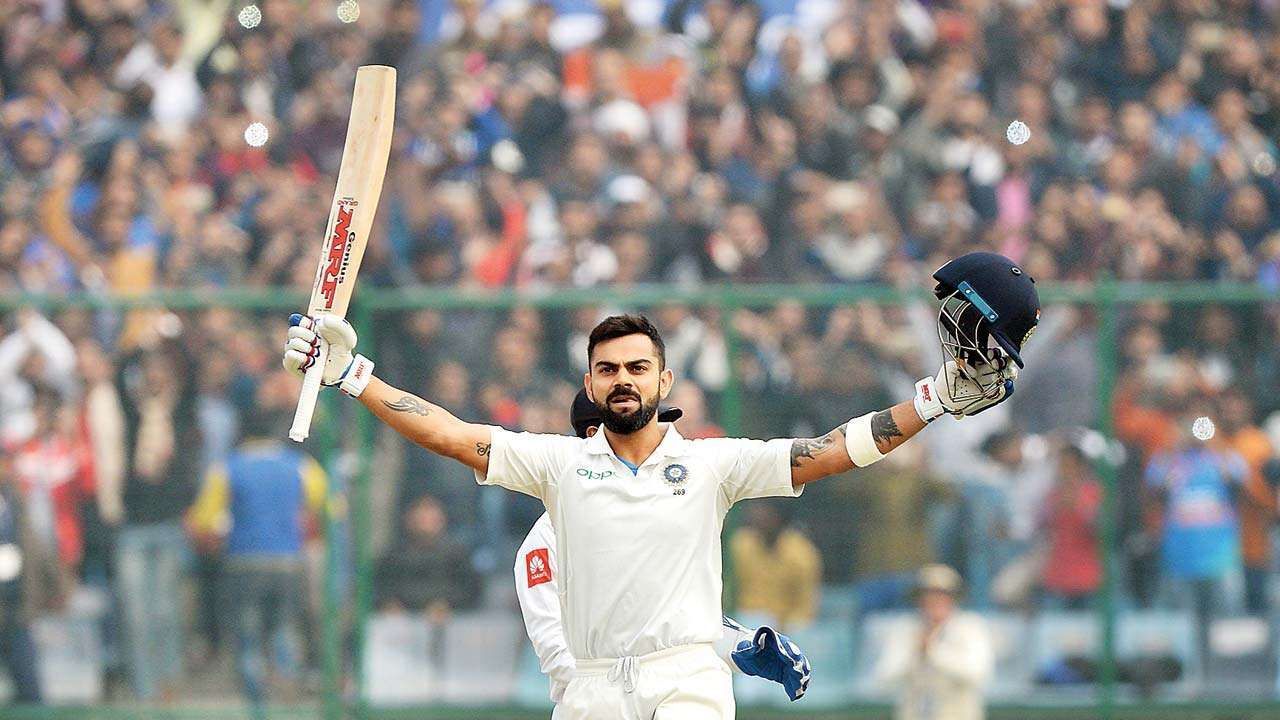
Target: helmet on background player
x=584, y=414
x=990, y=308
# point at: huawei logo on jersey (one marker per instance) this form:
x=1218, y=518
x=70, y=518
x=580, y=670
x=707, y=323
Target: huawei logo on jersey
x=537, y=565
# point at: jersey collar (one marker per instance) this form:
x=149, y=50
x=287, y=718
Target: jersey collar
x=673, y=444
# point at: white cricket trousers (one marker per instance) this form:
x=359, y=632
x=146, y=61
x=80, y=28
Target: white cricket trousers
x=688, y=682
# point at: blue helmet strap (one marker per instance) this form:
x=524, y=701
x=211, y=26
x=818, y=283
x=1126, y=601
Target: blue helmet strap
x=983, y=306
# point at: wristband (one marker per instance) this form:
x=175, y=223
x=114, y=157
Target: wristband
x=860, y=443
x=357, y=376
x=928, y=405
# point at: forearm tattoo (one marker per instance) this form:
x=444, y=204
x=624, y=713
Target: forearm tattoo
x=883, y=428
x=409, y=404
x=482, y=449
x=810, y=448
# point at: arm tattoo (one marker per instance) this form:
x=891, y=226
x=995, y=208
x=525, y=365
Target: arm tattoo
x=883, y=428
x=409, y=404
x=483, y=448
x=809, y=448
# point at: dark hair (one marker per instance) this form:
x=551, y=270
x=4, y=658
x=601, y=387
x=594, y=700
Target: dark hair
x=263, y=424
x=616, y=326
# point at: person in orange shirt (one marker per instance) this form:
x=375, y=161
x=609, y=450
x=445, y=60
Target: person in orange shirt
x=1257, y=505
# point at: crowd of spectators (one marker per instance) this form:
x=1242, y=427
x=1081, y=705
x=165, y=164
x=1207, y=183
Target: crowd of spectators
x=609, y=144
x=636, y=142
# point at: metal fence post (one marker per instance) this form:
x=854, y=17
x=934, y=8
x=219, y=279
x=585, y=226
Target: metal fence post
x=361, y=524
x=1108, y=320
x=731, y=414
x=331, y=603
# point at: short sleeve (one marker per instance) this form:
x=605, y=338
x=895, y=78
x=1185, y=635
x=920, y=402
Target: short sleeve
x=527, y=462
x=755, y=469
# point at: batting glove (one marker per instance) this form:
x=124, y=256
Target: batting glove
x=960, y=392
x=351, y=372
x=773, y=656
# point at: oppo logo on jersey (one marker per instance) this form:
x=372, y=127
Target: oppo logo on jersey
x=338, y=245
x=594, y=474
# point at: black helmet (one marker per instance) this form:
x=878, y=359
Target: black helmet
x=985, y=297
x=584, y=414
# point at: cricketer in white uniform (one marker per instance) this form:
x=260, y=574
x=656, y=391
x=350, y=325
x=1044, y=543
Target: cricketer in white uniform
x=637, y=509
x=763, y=653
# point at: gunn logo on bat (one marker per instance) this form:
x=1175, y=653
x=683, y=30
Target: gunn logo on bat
x=338, y=245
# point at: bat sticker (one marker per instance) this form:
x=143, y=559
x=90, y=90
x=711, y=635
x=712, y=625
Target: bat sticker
x=339, y=247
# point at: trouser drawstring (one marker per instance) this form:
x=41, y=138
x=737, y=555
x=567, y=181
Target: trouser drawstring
x=626, y=669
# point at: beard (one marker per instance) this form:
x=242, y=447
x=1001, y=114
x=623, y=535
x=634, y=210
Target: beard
x=627, y=423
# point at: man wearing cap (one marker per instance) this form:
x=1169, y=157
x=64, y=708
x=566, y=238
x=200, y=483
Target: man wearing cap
x=939, y=663
x=762, y=652
x=638, y=510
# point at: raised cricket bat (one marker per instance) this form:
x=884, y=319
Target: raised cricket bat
x=364, y=163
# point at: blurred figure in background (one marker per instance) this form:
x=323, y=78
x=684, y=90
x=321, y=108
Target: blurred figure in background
x=30, y=582
x=103, y=420
x=54, y=471
x=694, y=423
x=777, y=569
x=162, y=442
x=259, y=507
x=1194, y=490
x=940, y=663
x=891, y=504
x=1015, y=467
x=1257, y=504
x=429, y=572
x=1072, y=564
x=36, y=351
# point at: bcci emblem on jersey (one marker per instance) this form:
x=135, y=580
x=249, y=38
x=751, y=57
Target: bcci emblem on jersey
x=676, y=474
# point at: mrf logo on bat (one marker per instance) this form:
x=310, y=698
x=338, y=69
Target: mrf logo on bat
x=339, y=251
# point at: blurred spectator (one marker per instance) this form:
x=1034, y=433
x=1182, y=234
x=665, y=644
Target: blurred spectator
x=428, y=572
x=259, y=507
x=1073, y=561
x=893, y=506
x=939, y=664
x=694, y=423
x=1195, y=490
x=777, y=569
x=35, y=351
x=160, y=483
x=54, y=472
x=1257, y=500
x=30, y=582
x=1001, y=500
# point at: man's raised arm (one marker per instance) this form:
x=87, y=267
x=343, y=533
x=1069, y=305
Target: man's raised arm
x=866, y=439
x=426, y=424
x=429, y=425
x=816, y=458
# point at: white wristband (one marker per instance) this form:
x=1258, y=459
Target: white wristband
x=860, y=443
x=928, y=404
x=357, y=377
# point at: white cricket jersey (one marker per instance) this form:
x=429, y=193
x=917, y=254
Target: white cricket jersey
x=638, y=555
x=536, y=573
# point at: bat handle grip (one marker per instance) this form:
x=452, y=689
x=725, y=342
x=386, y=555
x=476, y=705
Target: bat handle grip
x=307, y=398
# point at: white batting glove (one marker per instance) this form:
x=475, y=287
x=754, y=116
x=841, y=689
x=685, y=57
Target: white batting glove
x=954, y=390
x=351, y=372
